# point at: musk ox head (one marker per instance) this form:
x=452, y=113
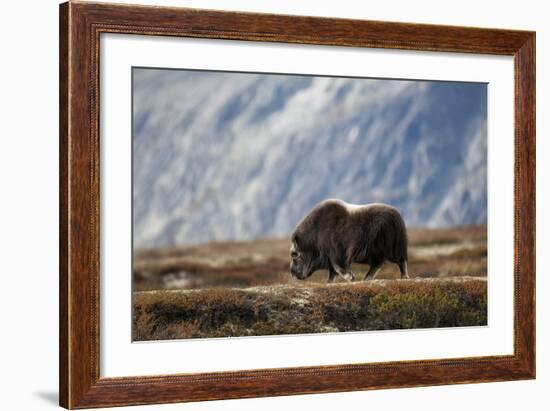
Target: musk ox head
x=302, y=261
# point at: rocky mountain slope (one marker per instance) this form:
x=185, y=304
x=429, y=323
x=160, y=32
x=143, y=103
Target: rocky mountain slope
x=223, y=156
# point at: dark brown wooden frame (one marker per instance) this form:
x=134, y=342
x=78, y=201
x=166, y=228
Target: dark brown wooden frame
x=81, y=24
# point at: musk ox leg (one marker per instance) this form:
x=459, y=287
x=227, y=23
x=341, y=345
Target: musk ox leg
x=373, y=270
x=403, y=269
x=346, y=274
x=332, y=274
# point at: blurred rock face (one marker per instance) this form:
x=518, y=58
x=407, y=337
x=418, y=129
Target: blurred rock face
x=233, y=156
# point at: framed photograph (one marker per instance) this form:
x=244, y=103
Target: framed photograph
x=260, y=205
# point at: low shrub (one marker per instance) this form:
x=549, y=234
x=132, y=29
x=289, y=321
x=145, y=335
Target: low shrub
x=312, y=308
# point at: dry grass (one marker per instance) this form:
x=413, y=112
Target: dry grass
x=242, y=288
x=310, y=308
x=455, y=251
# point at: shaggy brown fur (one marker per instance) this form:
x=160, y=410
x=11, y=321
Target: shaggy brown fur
x=334, y=234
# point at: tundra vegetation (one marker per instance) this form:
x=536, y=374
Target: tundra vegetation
x=229, y=289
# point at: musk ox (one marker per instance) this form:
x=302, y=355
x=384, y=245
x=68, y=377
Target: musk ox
x=335, y=234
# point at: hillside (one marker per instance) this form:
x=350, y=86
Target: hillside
x=302, y=308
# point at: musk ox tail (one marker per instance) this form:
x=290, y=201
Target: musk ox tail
x=401, y=240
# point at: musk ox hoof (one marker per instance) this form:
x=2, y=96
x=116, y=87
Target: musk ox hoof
x=349, y=277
